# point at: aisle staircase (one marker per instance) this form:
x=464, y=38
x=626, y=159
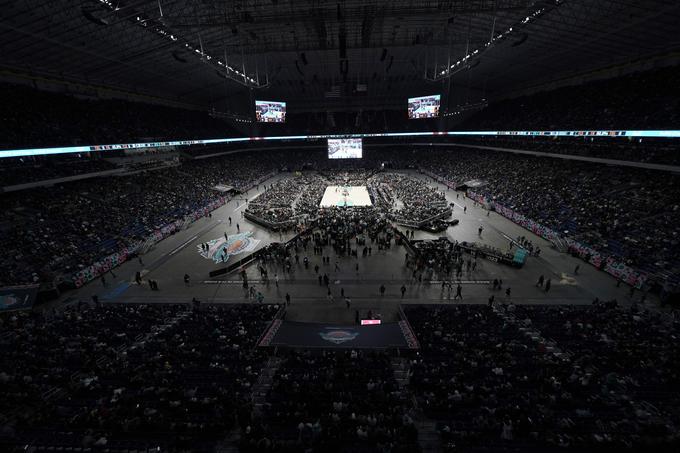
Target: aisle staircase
x=428, y=436
x=230, y=442
x=401, y=367
x=264, y=383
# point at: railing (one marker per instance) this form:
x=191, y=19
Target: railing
x=442, y=215
x=276, y=226
x=404, y=318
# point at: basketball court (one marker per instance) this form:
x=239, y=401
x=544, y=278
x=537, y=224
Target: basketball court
x=345, y=196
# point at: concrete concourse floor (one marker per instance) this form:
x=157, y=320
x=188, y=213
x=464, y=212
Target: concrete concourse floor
x=170, y=259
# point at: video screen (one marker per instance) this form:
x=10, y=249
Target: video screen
x=424, y=107
x=270, y=112
x=345, y=148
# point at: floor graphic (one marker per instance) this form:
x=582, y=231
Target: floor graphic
x=219, y=250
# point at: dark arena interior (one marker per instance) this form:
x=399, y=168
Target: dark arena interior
x=340, y=226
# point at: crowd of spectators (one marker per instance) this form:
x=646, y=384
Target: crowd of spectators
x=654, y=151
x=285, y=203
x=626, y=212
x=25, y=170
x=275, y=204
x=32, y=118
x=310, y=196
x=334, y=401
x=351, y=222
x=441, y=260
x=128, y=377
x=56, y=230
x=641, y=100
x=493, y=383
x=397, y=196
x=415, y=202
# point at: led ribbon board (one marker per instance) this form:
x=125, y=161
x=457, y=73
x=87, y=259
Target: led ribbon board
x=113, y=147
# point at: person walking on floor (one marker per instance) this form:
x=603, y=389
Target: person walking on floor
x=459, y=292
x=382, y=290
x=403, y=291
x=287, y=299
x=540, y=281
x=547, y=285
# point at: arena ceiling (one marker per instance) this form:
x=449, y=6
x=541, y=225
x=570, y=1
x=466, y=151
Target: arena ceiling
x=320, y=53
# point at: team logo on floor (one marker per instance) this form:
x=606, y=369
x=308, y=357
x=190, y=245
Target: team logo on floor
x=338, y=336
x=219, y=250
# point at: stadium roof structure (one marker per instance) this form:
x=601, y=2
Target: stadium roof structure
x=316, y=53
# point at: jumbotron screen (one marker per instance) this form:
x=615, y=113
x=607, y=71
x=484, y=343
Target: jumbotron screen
x=345, y=148
x=270, y=112
x=424, y=107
